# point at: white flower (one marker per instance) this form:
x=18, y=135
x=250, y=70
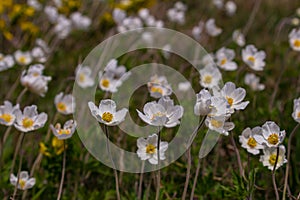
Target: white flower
x=65, y=104
x=22, y=58
x=158, y=86
x=234, y=96
x=218, y=124
x=66, y=132
x=180, y=6
x=38, y=54
x=63, y=27
x=144, y=13
x=254, y=58
x=184, y=86
x=218, y=3
x=83, y=76
x=166, y=51
x=197, y=30
x=239, y=38
x=296, y=110
x=24, y=181
x=212, y=29
x=202, y=106
x=35, y=4
x=8, y=113
x=41, y=43
x=6, y=62
x=34, y=80
x=130, y=23
x=79, y=21
x=248, y=142
x=230, y=7
x=106, y=113
x=30, y=120
x=294, y=39
x=118, y=15
x=271, y=136
x=253, y=81
x=210, y=76
x=51, y=13
x=177, y=13
x=161, y=113
x=269, y=157
x=147, y=149
x=224, y=59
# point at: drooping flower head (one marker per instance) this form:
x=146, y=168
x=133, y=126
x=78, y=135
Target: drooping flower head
x=248, y=141
x=66, y=132
x=30, y=120
x=106, y=112
x=147, y=149
x=65, y=104
x=203, y=103
x=254, y=58
x=6, y=62
x=211, y=28
x=253, y=81
x=161, y=113
x=8, y=113
x=296, y=110
x=24, y=181
x=268, y=159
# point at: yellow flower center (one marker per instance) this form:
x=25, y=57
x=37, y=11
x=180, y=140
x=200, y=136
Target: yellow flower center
x=207, y=79
x=22, y=59
x=22, y=183
x=298, y=115
x=64, y=131
x=229, y=100
x=6, y=117
x=156, y=89
x=273, y=138
x=61, y=106
x=297, y=43
x=272, y=159
x=150, y=148
x=216, y=123
x=251, y=58
x=107, y=116
x=223, y=61
x=81, y=77
x=105, y=83
x=158, y=114
x=252, y=142
x=27, y=122
x=1, y=57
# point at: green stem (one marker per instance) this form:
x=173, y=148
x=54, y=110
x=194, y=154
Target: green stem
x=62, y=173
x=158, y=165
x=273, y=175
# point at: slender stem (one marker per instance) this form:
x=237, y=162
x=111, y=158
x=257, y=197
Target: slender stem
x=19, y=143
x=195, y=179
x=3, y=142
x=21, y=95
x=141, y=181
x=252, y=16
x=112, y=161
x=273, y=175
x=158, y=165
x=20, y=165
x=62, y=173
x=238, y=156
x=288, y=158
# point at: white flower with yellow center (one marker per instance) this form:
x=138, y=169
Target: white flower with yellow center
x=269, y=157
x=147, y=149
x=65, y=103
x=224, y=59
x=30, y=120
x=23, y=58
x=294, y=39
x=211, y=28
x=203, y=103
x=6, y=62
x=253, y=81
x=34, y=80
x=158, y=86
x=219, y=124
x=83, y=76
x=210, y=76
x=106, y=112
x=8, y=113
x=270, y=136
x=254, y=58
x=24, y=181
x=296, y=110
x=248, y=141
x=161, y=113
x=66, y=132
x=234, y=97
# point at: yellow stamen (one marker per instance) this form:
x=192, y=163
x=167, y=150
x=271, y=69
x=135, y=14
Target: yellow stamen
x=252, y=142
x=207, y=79
x=22, y=59
x=107, y=116
x=22, y=183
x=229, y=100
x=105, y=83
x=6, y=117
x=273, y=138
x=272, y=159
x=61, y=106
x=298, y=115
x=150, y=148
x=64, y=131
x=251, y=59
x=27, y=122
x=216, y=123
x=297, y=43
x=156, y=89
x=159, y=114
x=81, y=77
x=223, y=61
